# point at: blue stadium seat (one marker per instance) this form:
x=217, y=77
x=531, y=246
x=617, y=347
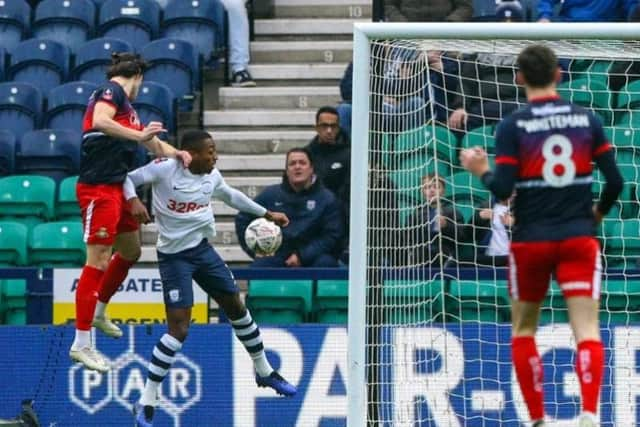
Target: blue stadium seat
x=3, y=57
x=93, y=58
x=43, y=63
x=20, y=107
x=14, y=22
x=7, y=152
x=199, y=22
x=155, y=102
x=50, y=152
x=136, y=21
x=66, y=105
x=65, y=21
x=174, y=63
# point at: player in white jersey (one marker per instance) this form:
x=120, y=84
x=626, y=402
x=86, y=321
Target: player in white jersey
x=182, y=208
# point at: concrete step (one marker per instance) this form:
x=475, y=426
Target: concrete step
x=225, y=234
x=251, y=162
x=279, y=97
x=252, y=185
x=305, y=27
x=260, y=142
x=323, y=8
x=326, y=51
x=263, y=118
x=305, y=74
x=229, y=253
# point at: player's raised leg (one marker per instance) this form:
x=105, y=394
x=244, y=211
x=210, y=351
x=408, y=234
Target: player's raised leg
x=162, y=357
x=127, y=252
x=248, y=332
x=86, y=297
x=579, y=271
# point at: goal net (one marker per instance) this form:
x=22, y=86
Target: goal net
x=430, y=331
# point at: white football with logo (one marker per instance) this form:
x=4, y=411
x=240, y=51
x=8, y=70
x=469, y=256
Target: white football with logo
x=263, y=236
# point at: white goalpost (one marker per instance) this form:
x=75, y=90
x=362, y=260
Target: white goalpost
x=429, y=318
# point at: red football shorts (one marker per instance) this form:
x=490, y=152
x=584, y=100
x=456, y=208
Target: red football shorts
x=105, y=213
x=575, y=262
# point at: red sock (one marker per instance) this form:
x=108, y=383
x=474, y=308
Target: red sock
x=529, y=371
x=115, y=273
x=87, y=296
x=589, y=366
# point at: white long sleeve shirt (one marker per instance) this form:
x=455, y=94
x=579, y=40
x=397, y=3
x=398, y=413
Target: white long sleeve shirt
x=182, y=202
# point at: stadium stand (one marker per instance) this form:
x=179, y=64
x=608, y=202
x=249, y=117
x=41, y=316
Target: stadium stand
x=7, y=152
x=28, y=199
x=156, y=102
x=50, y=152
x=93, y=58
x=136, y=21
x=13, y=244
x=67, y=208
x=280, y=301
x=43, y=63
x=20, y=107
x=331, y=301
x=66, y=105
x=57, y=244
x=67, y=22
x=14, y=22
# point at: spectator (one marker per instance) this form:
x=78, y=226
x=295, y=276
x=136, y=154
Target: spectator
x=238, y=43
x=344, y=108
x=414, y=85
x=316, y=230
x=428, y=11
x=434, y=221
x=491, y=228
x=622, y=73
x=587, y=11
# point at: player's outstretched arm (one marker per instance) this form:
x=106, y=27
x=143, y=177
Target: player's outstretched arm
x=237, y=199
x=162, y=149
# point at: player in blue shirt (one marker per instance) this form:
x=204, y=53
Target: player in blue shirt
x=545, y=152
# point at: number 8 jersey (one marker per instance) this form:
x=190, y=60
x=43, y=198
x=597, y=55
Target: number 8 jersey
x=553, y=145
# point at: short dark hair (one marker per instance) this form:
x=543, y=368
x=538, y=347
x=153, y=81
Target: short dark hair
x=126, y=64
x=431, y=176
x=193, y=140
x=538, y=65
x=327, y=109
x=303, y=150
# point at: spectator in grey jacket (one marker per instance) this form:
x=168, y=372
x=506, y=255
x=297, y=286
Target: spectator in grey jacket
x=428, y=11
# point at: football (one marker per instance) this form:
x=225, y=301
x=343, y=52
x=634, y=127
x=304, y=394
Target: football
x=263, y=236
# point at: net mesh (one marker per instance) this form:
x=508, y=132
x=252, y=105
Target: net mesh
x=437, y=316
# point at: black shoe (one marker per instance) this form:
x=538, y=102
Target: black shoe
x=242, y=78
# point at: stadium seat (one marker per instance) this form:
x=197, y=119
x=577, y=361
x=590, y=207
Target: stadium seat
x=136, y=21
x=51, y=152
x=199, y=22
x=66, y=105
x=43, y=63
x=13, y=243
x=629, y=96
x=57, y=243
x=67, y=207
x=93, y=58
x=482, y=136
x=20, y=107
x=623, y=137
x=629, y=119
x=620, y=301
x=175, y=64
x=332, y=301
x=413, y=301
x=67, y=22
x=422, y=140
x=465, y=186
x=480, y=300
x=13, y=295
x=27, y=196
x=3, y=57
x=280, y=301
x=408, y=174
x=7, y=152
x=590, y=93
x=16, y=316
x=623, y=239
x=155, y=102
x=14, y=22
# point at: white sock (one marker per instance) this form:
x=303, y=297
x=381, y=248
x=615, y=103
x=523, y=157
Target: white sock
x=150, y=393
x=261, y=364
x=590, y=415
x=100, y=309
x=81, y=340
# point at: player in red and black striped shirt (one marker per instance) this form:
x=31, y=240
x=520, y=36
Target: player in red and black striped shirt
x=545, y=152
x=111, y=134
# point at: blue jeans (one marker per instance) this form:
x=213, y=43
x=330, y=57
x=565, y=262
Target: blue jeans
x=238, y=34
